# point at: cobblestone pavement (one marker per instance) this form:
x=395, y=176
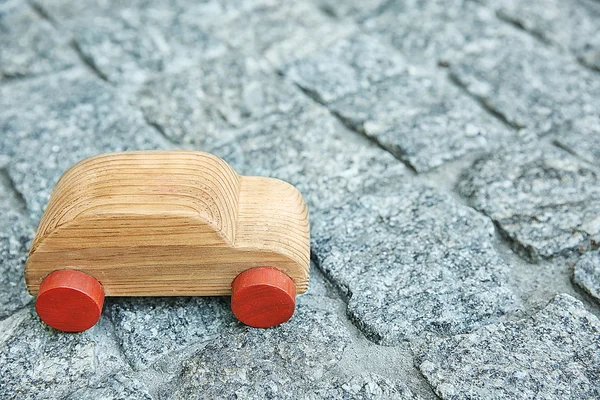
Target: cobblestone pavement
x=448, y=150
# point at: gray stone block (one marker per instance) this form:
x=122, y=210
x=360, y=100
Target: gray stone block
x=581, y=138
x=128, y=42
x=37, y=362
x=353, y=9
x=50, y=124
x=543, y=198
x=197, y=105
x=29, y=45
x=413, y=262
x=428, y=33
x=280, y=34
x=553, y=354
x=572, y=25
x=285, y=362
x=531, y=85
x=117, y=386
x=150, y=328
x=348, y=66
x=586, y=273
x=422, y=120
x=16, y=233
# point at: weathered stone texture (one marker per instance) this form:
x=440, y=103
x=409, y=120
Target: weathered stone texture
x=552, y=355
x=199, y=104
x=432, y=32
x=581, y=137
x=50, y=124
x=413, y=261
x=37, y=362
x=422, y=120
x=150, y=328
x=117, y=386
x=277, y=363
x=346, y=67
x=531, y=85
x=16, y=233
x=543, y=198
x=353, y=9
x=572, y=25
x=281, y=33
x=128, y=42
x=29, y=45
x=586, y=273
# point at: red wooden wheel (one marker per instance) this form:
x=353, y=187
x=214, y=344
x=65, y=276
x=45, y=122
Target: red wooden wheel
x=263, y=297
x=70, y=300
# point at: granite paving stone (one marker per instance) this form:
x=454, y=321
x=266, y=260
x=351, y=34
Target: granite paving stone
x=38, y=362
x=580, y=137
x=278, y=363
x=429, y=32
x=572, y=25
x=586, y=273
x=196, y=105
x=553, y=354
x=542, y=197
x=352, y=9
x=530, y=84
x=149, y=328
x=280, y=33
x=421, y=119
x=117, y=386
x=29, y=45
x=347, y=66
x=127, y=43
x=50, y=124
x=16, y=233
x=412, y=262
x=367, y=386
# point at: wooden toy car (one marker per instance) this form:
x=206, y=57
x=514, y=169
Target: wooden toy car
x=168, y=223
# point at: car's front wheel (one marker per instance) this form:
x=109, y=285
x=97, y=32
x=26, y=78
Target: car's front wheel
x=263, y=297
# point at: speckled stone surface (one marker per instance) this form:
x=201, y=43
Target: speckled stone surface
x=432, y=32
x=117, y=386
x=586, y=273
x=554, y=354
x=526, y=82
x=150, y=328
x=581, y=138
x=39, y=49
x=37, y=362
x=197, y=105
x=434, y=269
x=348, y=66
x=244, y=362
x=447, y=151
x=280, y=34
x=572, y=25
x=129, y=42
x=542, y=197
x=16, y=233
x=422, y=120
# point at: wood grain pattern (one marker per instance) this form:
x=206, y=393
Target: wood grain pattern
x=167, y=223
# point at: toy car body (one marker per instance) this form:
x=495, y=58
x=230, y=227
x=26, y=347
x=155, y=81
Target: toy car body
x=169, y=223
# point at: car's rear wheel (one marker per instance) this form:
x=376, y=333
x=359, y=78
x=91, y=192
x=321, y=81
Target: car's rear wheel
x=70, y=300
x=263, y=297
